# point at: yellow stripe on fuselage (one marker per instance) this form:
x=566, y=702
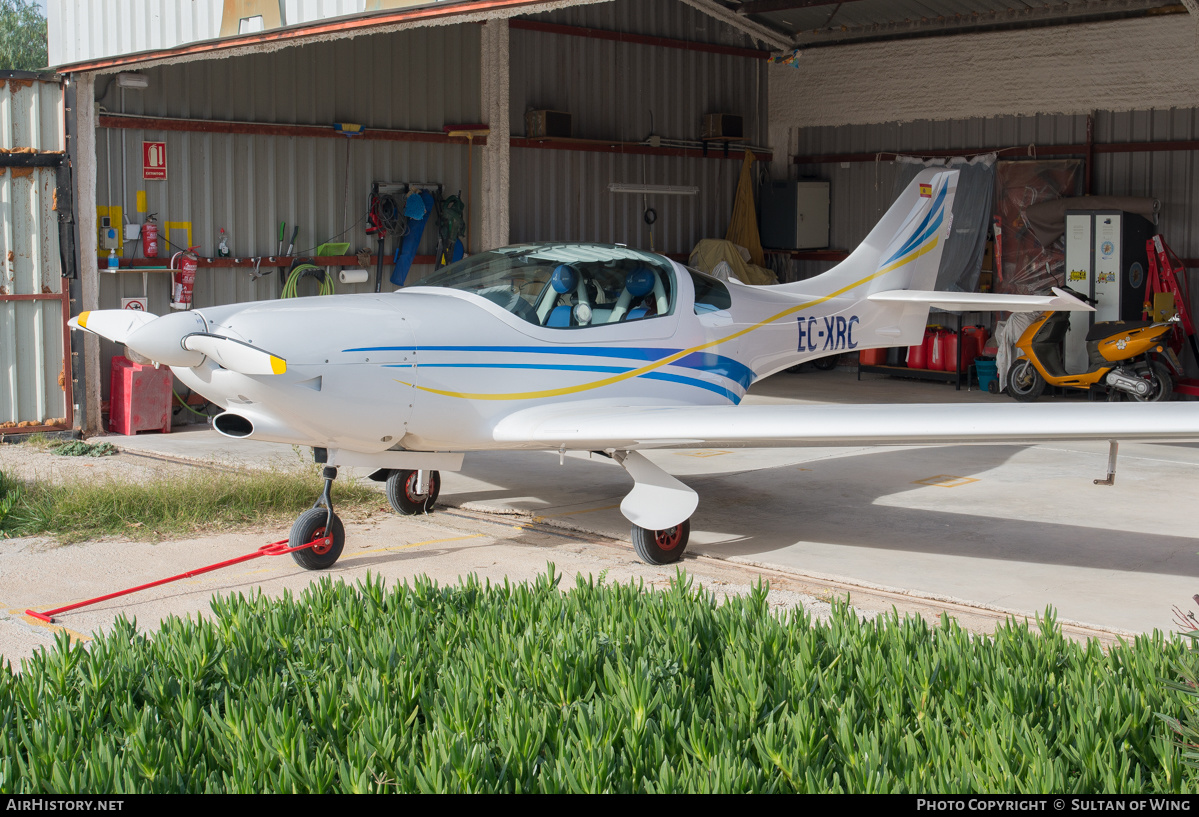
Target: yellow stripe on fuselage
x=666, y=361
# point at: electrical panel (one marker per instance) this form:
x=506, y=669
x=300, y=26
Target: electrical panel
x=1107, y=260
x=794, y=215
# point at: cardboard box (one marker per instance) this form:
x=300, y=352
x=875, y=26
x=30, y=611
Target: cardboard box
x=548, y=125
x=723, y=126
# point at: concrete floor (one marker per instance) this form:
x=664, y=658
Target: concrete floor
x=1014, y=528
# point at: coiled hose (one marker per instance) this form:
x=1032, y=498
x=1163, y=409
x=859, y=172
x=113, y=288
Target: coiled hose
x=307, y=270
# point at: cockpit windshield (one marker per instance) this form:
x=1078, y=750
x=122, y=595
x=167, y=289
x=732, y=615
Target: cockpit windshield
x=567, y=286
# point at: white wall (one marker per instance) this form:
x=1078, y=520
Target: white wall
x=1147, y=63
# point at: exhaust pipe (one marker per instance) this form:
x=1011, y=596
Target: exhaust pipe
x=233, y=425
x=241, y=426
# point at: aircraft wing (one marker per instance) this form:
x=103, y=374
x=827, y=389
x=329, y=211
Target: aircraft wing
x=765, y=426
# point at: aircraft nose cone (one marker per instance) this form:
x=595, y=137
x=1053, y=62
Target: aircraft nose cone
x=161, y=340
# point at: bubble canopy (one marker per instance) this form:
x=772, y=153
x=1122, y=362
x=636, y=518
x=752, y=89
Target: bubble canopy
x=567, y=286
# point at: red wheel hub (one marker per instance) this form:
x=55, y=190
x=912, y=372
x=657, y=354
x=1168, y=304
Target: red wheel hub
x=410, y=488
x=668, y=539
x=323, y=545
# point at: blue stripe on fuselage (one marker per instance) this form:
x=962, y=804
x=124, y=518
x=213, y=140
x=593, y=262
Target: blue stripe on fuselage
x=726, y=367
x=664, y=376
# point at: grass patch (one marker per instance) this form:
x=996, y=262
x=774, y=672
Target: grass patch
x=606, y=688
x=187, y=503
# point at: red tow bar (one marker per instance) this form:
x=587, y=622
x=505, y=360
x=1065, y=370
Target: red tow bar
x=273, y=549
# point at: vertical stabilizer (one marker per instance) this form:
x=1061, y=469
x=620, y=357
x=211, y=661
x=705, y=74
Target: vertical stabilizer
x=903, y=251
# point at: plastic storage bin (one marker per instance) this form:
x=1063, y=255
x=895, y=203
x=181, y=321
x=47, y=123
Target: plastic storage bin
x=988, y=374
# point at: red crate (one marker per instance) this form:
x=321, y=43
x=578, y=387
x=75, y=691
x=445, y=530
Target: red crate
x=140, y=399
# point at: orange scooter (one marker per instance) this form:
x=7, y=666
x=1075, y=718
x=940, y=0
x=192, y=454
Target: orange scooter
x=1119, y=354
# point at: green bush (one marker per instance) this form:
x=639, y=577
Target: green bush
x=604, y=688
x=182, y=504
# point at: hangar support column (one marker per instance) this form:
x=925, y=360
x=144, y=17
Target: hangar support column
x=497, y=153
x=87, y=241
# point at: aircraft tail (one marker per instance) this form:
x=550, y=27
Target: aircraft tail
x=886, y=286
x=903, y=251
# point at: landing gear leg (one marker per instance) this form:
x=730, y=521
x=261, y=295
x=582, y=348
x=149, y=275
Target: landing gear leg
x=319, y=523
x=413, y=492
x=1112, y=451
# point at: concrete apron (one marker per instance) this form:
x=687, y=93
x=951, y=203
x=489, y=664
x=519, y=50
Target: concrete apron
x=1016, y=528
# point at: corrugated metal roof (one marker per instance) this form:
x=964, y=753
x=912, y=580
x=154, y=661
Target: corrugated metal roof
x=83, y=34
x=823, y=22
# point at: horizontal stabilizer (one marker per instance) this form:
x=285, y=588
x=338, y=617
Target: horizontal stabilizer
x=1060, y=300
x=114, y=324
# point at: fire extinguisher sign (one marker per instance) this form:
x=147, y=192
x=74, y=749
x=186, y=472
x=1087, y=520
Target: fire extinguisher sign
x=154, y=160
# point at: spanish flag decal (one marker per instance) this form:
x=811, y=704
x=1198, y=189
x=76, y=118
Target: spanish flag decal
x=926, y=191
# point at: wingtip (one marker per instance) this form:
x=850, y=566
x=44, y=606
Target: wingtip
x=1067, y=301
x=278, y=365
x=79, y=322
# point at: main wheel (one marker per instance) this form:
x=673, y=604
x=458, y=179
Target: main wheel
x=1161, y=383
x=826, y=364
x=311, y=525
x=661, y=547
x=1024, y=382
x=401, y=492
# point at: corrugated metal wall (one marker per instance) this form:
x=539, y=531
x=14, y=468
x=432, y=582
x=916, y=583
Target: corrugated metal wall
x=31, y=331
x=247, y=184
x=862, y=191
x=625, y=92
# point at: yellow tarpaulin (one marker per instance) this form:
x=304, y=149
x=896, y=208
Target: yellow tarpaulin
x=712, y=251
x=743, y=229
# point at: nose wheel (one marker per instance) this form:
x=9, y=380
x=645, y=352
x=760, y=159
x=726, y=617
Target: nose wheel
x=321, y=524
x=661, y=547
x=413, y=492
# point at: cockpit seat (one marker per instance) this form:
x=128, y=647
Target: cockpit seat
x=637, y=284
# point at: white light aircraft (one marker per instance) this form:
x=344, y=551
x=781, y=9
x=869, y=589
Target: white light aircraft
x=597, y=348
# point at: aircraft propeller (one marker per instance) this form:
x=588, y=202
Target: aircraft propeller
x=179, y=339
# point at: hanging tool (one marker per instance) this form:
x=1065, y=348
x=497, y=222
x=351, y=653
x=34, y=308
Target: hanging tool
x=470, y=132
x=292, y=244
x=282, y=232
x=375, y=216
x=418, y=207
x=348, y=130
x=450, y=214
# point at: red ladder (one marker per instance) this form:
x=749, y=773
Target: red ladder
x=1167, y=276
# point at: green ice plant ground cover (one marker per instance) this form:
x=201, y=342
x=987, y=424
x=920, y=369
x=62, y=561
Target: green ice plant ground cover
x=606, y=687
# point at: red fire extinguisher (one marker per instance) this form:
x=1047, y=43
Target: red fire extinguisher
x=150, y=237
x=184, y=278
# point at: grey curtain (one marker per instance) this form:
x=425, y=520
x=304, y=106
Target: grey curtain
x=962, y=257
